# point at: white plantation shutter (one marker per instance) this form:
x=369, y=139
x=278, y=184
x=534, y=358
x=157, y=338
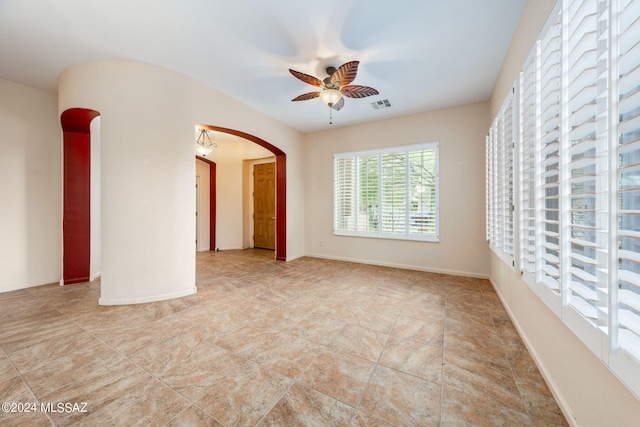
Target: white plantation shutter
x=500, y=175
x=495, y=188
x=367, y=191
x=586, y=161
x=548, y=147
x=527, y=203
x=497, y=135
x=508, y=144
x=344, y=193
x=628, y=286
x=394, y=208
x=389, y=193
x=488, y=191
x=422, y=192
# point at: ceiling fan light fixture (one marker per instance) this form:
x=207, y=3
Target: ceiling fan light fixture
x=331, y=96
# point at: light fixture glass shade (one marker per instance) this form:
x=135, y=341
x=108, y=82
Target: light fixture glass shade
x=204, y=144
x=203, y=151
x=330, y=96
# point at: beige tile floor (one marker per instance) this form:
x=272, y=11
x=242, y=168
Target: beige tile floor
x=310, y=342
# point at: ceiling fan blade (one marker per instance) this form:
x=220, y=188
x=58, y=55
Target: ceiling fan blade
x=346, y=73
x=306, y=96
x=338, y=105
x=313, y=81
x=357, y=91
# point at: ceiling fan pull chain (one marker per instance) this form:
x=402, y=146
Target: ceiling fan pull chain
x=330, y=115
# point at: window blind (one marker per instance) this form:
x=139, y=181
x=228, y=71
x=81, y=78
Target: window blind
x=500, y=175
x=548, y=146
x=528, y=90
x=394, y=193
x=628, y=315
x=422, y=192
x=508, y=144
x=488, y=191
x=367, y=190
x=500, y=181
x=586, y=160
x=390, y=193
x=344, y=193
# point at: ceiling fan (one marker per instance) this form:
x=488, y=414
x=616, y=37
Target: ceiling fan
x=335, y=86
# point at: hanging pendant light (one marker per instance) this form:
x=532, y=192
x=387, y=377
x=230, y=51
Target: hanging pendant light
x=204, y=145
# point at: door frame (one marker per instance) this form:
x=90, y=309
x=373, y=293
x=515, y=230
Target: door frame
x=253, y=165
x=212, y=201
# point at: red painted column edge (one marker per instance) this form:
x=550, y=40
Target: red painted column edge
x=281, y=207
x=76, y=222
x=212, y=206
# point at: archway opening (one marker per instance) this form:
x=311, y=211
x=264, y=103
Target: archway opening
x=281, y=186
x=76, y=219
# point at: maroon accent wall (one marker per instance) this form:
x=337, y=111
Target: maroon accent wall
x=212, y=202
x=281, y=186
x=76, y=219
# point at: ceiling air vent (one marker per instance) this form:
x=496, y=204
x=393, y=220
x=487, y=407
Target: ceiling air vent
x=379, y=105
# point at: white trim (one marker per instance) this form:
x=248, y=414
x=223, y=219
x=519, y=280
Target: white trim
x=151, y=298
x=412, y=147
x=10, y=288
x=232, y=249
x=403, y=266
x=94, y=276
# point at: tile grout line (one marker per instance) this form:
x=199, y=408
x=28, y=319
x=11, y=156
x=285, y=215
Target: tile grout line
x=147, y=372
x=26, y=383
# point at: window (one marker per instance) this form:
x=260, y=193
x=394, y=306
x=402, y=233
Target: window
x=390, y=193
x=627, y=327
x=528, y=162
x=578, y=167
x=500, y=174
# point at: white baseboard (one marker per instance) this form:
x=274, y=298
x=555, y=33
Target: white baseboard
x=404, y=266
x=150, y=298
x=15, y=287
x=562, y=403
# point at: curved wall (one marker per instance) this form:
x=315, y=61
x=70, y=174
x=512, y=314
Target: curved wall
x=146, y=156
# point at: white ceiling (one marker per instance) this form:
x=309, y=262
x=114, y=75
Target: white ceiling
x=420, y=54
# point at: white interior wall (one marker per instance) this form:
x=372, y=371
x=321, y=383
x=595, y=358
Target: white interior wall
x=229, y=204
x=588, y=393
x=462, y=248
x=95, y=257
x=31, y=187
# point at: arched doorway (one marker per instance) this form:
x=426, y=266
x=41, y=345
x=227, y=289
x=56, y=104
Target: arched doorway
x=281, y=186
x=76, y=219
